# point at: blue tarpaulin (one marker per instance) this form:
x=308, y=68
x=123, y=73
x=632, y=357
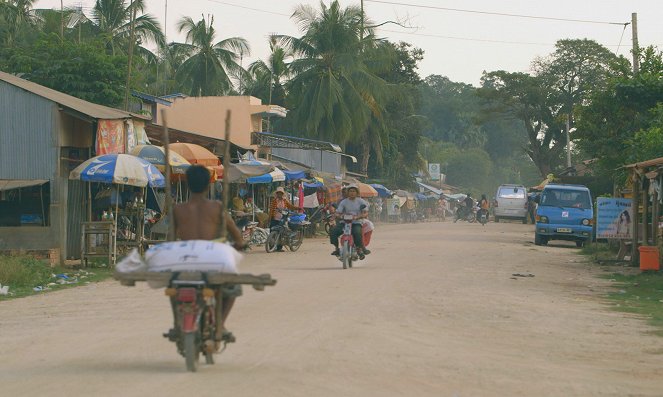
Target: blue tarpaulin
x=315, y=184
x=382, y=191
x=294, y=175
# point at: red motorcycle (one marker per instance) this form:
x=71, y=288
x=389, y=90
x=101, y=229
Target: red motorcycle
x=195, y=311
x=347, y=250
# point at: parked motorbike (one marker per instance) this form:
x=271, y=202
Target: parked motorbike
x=289, y=232
x=195, y=308
x=251, y=233
x=466, y=214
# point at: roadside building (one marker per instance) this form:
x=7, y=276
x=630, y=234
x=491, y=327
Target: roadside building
x=44, y=134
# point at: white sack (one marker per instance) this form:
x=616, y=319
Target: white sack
x=193, y=255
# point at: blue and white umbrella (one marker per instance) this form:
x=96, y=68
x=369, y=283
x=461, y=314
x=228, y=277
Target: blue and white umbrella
x=122, y=169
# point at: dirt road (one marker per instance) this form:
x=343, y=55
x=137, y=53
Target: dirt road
x=433, y=312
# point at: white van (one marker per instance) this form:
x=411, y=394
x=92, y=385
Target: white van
x=510, y=202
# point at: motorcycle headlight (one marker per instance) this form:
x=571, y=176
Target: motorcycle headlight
x=542, y=219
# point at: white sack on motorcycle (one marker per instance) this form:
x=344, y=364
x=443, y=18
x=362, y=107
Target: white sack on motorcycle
x=193, y=255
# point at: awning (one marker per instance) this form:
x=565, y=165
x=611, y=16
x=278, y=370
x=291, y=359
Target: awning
x=431, y=188
x=275, y=176
x=294, y=175
x=9, y=184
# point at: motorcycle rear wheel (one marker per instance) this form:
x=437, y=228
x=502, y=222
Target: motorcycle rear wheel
x=191, y=351
x=296, y=240
x=327, y=227
x=272, y=241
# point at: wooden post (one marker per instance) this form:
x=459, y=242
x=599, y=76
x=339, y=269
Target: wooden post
x=654, y=218
x=226, y=183
x=645, y=214
x=635, y=221
x=169, y=204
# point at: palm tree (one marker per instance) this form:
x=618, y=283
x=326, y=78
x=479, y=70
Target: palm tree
x=15, y=16
x=266, y=79
x=333, y=93
x=210, y=67
x=112, y=21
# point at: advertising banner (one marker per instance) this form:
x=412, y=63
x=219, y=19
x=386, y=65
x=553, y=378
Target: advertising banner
x=393, y=206
x=613, y=219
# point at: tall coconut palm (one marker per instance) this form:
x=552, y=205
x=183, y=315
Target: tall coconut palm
x=333, y=92
x=15, y=16
x=210, y=67
x=266, y=79
x=112, y=20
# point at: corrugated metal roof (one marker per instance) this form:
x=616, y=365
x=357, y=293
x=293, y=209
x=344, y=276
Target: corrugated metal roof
x=87, y=108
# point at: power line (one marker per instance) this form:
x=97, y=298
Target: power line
x=481, y=40
x=466, y=38
x=495, y=13
x=249, y=8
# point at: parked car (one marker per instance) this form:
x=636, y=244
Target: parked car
x=564, y=213
x=510, y=202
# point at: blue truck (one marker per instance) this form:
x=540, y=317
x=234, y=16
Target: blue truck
x=564, y=213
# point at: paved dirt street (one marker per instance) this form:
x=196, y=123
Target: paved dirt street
x=434, y=311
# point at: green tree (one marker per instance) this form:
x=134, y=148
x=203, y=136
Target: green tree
x=333, y=94
x=210, y=67
x=81, y=70
x=266, y=78
x=111, y=20
x=630, y=103
x=452, y=109
x=522, y=97
x=16, y=18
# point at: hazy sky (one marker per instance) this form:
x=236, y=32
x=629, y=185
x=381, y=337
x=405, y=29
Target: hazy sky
x=459, y=45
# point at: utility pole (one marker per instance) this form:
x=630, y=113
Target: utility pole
x=568, y=142
x=636, y=49
x=62, y=20
x=361, y=31
x=132, y=40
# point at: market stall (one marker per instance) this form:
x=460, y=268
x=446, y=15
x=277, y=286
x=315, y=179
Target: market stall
x=122, y=226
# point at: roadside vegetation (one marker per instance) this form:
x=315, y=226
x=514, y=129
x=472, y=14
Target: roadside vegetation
x=24, y=275
x=634, y=291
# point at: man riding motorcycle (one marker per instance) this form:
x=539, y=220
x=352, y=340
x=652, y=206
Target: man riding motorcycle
x=484, y=206
x=358, y=207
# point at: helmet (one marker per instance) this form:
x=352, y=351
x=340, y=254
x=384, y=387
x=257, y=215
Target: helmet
x=352, y=186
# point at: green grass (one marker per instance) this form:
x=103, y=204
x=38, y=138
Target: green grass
x=24, y=273
x=641, y=294
x=634, y=291
x=600, y=252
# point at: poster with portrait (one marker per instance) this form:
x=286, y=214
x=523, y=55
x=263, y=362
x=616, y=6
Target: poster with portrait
x=613, y=219
x=393, y=206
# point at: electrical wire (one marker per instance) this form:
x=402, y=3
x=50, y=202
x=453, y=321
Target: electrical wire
x=466, y=38
x=482, y=40
x=249, y=8
x=495, y=13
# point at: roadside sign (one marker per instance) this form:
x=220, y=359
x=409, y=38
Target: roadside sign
x=613, y=218
x=434, y=171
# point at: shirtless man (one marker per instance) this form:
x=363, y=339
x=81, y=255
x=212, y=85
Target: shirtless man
x=200, y=219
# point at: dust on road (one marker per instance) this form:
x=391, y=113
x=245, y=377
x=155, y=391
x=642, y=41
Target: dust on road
x=434, y=311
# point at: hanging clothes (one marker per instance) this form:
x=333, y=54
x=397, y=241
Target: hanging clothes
x=110, y=137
